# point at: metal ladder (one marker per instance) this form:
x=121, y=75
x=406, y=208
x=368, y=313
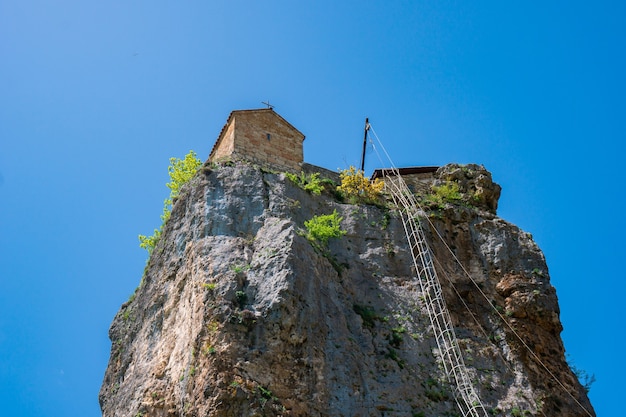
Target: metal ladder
x=449, y=352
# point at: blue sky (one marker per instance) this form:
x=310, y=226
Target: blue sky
x=95, y=97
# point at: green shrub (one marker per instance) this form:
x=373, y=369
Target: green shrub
x=180, y=172
x=433, y=391
x=265, y=393
x=584, y=378
x=396, y=338
x=356, y=188
x=149, y=242
x=240, y=268
x=516, y=412
x=321, y=228
x=448, y=192
x=444, y=194
x=368, y=314
x=308, y=182
x=393, y=355
x=242, y=298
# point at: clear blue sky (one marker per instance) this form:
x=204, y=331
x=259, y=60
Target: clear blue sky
x=96, y=96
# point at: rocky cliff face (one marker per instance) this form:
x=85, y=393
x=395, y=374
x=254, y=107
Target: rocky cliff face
x=238, y=315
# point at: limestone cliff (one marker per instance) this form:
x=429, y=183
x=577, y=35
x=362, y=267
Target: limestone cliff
x=238, y=315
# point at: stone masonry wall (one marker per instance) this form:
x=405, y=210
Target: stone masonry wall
x=263, y=137
x=419, y=183
x=227, y=145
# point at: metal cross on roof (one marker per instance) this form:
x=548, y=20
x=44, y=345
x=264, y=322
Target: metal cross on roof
x=267, y=103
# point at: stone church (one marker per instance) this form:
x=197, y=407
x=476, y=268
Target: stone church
x=261, y=136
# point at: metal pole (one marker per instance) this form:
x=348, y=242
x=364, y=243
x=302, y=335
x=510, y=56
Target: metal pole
x=367, y=127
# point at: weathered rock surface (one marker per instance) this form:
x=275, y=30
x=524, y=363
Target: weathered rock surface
x=238, y=315
x=475, y=184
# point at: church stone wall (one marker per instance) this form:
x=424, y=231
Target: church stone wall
x=226, y=147
x=263, y=137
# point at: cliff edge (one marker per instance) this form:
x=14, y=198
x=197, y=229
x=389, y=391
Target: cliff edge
x=239, y=315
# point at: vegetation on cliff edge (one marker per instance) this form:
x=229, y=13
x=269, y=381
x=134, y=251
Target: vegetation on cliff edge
x=358, y=189
x=180, y=172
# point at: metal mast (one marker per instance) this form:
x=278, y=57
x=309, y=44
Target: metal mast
x=367, y=127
